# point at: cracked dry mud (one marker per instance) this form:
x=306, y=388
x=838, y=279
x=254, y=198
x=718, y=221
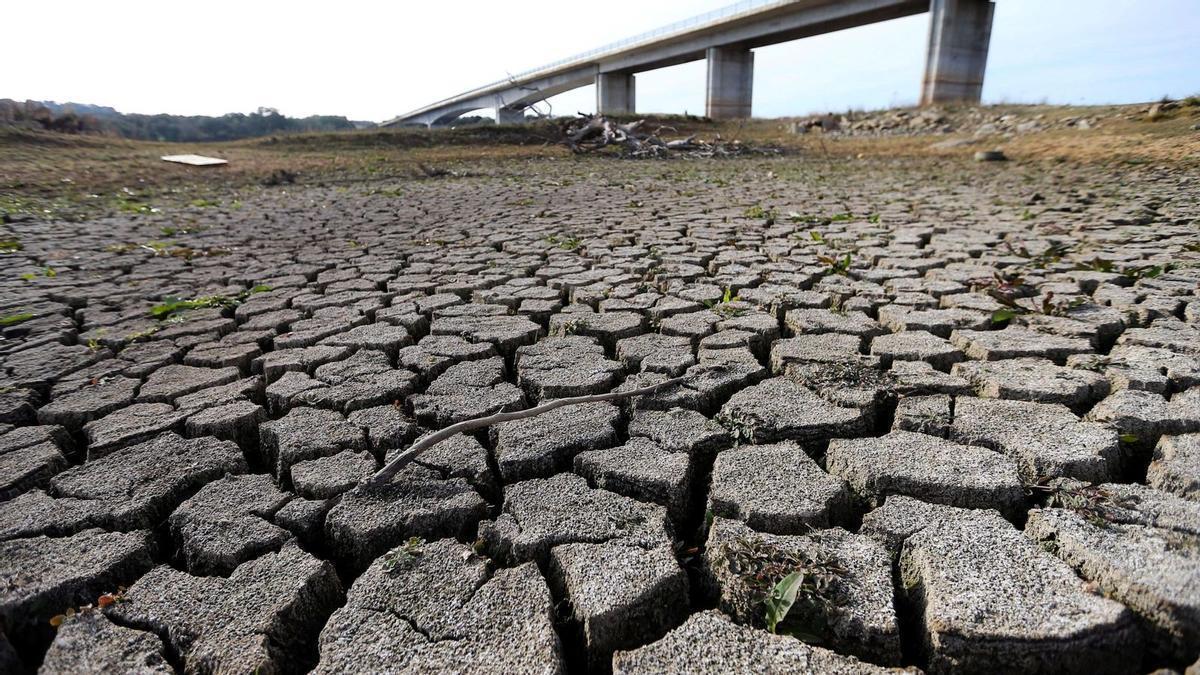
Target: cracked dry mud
x=1016, y=496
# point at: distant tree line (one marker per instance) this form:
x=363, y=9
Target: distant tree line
x=76, y=118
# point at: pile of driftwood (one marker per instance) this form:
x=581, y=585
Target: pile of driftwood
x=590, y=133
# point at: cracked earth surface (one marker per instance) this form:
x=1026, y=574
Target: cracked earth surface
x=963, y=400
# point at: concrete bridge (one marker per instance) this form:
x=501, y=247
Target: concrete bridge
x=959, y=31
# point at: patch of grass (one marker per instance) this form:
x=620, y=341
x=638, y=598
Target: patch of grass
x=810, y=219
x=1146, y=271
x=129, y=203
x=757, y=212
x=47, y=272
x=10, y=245
x=1048, y=307
x=171, y=306
x=566, y=243
x=157, y=247
x=14, y=319
x=1093, y=503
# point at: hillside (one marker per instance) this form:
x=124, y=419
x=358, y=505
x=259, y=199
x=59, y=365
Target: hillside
x=82, y=118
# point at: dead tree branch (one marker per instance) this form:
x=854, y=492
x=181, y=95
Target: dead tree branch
x=389, y=470
x=590, y=133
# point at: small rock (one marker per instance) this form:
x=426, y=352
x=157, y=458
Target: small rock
x=990, y=156
x=1046, y=440
x=643, y=470
x=1141, y=547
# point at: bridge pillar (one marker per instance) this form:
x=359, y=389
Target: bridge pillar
x=959, y=31
x=509, y=115
x=730, y=82
x=615, y=93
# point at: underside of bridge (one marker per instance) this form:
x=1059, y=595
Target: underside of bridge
x=959, y=33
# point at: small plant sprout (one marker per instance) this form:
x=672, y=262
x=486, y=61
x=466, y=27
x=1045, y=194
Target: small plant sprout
x=1048, y=307
x=1053, y=253
x=781, y=599
x=836, y=264
x=48, y=272
x=795, y=590
x=758, y=212
x=158, y=247
x=1093, y=503
x=566, y=328
x=742, y=426
x=1146, y=271
x=105, y=600
x=404, y=556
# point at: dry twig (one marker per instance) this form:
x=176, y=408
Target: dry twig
x=389, y=470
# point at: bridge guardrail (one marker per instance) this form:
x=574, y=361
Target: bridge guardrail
x=678, y=26
x=720, y=13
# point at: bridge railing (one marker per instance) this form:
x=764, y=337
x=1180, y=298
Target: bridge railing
x=676, y=27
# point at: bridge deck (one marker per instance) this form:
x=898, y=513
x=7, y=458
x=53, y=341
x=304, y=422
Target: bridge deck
x=751, y=23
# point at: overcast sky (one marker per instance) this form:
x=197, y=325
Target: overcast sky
x=373, y=60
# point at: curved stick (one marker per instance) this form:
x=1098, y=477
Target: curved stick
x=389, y=470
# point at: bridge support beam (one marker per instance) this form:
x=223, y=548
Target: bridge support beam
x=509, y=115
x=615, y=93
x=730, y=82
x=959, y=32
